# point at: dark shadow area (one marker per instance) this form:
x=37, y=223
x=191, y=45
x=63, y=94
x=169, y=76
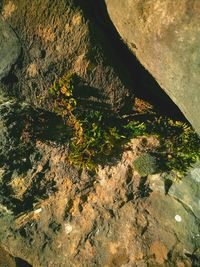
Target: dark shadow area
x=40, y=189
x=194, y=258
x=23, y=126
x=87, y=97
x=50, y=127
x=22, y=263
x=145, y=86
x=143, y=189
x=167, y=185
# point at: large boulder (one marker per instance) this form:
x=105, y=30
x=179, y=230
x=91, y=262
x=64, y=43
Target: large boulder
x=57, y=38
x=9, y=48
x=165, y=37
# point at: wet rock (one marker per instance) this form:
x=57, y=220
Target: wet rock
x=9, y=48
x=164, y=36
x=57, y=39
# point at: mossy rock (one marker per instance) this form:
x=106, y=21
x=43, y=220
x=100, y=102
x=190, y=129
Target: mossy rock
x=146, y=164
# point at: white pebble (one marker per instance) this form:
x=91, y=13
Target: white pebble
x=38, y=211
x=178, y=218
x=68, y=228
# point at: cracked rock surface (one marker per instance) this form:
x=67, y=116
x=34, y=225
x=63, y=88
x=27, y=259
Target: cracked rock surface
x=55, y=215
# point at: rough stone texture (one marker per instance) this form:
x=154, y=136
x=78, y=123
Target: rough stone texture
x=6, y=259
x=57, y=38
x=189, y=186
x=9, y=48
x=165, y=37
x=52, y=214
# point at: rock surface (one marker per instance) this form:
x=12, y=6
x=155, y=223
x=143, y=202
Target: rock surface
x=52, y=214
x=57, y=38
x=165, y=37
x=6, y=259
x=9, y=48
x=55, y=214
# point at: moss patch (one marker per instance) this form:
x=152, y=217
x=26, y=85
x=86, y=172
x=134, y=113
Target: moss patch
x=146, y=164
x=97, y=135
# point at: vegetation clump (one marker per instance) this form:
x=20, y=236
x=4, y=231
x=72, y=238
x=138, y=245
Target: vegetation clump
x=146, y=164
x=94, y=135
x=97, y=135
x=179, y=144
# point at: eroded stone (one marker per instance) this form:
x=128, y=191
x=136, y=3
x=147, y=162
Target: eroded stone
x=9, y=48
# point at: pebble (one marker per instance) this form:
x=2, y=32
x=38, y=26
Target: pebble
x=68, y=228
x=178, y=218
x=38, y=211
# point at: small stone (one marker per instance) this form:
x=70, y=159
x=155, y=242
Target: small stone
x=68, y=228
x=38, y=211
x=178, y=218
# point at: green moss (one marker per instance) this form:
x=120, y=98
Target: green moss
x=179, y=144
x=94, y=136
x=97, y=136
x=146, y=164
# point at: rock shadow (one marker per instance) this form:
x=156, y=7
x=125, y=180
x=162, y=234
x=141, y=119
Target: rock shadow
x=145, y=86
